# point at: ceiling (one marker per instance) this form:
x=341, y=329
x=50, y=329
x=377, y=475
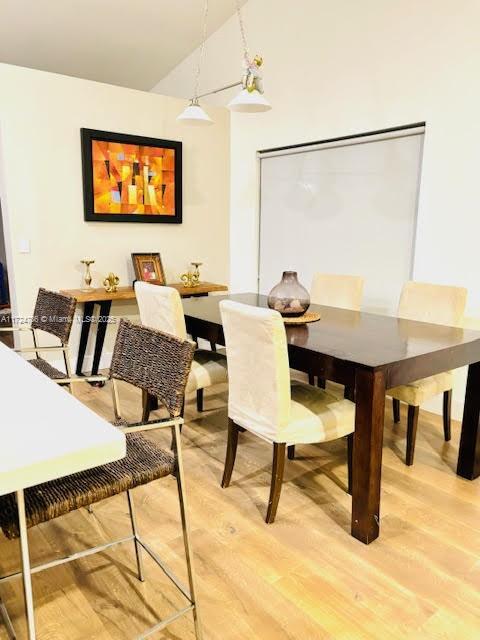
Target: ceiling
x=132, y=43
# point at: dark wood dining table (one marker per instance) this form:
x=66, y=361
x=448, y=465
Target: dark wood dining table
x=368, y=353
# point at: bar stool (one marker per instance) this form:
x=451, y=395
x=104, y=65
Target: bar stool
x=160, y=364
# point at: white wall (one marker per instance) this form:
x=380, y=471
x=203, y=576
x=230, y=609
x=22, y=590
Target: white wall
x=343, y=67
x=41, y=185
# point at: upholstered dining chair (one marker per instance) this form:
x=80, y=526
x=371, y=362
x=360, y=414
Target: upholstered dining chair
x=161, y=308
x=263, y=400
x=334, y=290
x=158, y=363
x=53, y=314
x=437, y=304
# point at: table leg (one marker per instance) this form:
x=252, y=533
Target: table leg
x=469, y=453
x=82, y=347
x=26, y=571
x=367, y=454
x=105, y=307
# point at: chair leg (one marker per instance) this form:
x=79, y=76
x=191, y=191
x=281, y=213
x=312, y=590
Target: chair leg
x=145, y=405
x=149, y=403
x=278, y=467
x=350, y=461
x=182, y=413
x=138, y=548
x=7, y=621
x=68, y=370
x=311, y=379
x=199, y=400
x=411, y=433
x=26, y=571
x=291, y=452
x=321, y=382
x=213, y=346
x=447, y=415
x=349, y=393
x=231, y=454
x=186, y=532
x=396, y=410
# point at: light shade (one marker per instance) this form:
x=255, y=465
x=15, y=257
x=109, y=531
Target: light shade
x=249, y=102
x=195, y=116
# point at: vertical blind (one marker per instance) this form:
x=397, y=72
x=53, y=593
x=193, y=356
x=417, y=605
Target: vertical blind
x=345, y=207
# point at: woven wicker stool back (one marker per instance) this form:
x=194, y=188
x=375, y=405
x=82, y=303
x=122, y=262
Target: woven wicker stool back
x=54, y=313
x=154, y=361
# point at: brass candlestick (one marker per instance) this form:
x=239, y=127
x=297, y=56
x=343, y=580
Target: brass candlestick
x=88, y=276
x=192, y=279
x=196, y=272
x=111, y=283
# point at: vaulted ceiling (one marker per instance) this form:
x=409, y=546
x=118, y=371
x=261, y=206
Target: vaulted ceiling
x=132, y=43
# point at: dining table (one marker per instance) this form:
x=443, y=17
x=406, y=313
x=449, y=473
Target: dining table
x=369, y=354
x=45, y=434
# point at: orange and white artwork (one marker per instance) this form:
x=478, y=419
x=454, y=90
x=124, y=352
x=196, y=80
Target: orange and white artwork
x=133, y=179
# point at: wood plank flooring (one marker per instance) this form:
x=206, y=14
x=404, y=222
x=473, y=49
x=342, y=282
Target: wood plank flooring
x=302, y=578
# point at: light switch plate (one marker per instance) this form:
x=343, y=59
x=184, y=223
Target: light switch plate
x=24, y=245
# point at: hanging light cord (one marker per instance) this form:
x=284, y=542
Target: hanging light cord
x=201, y=55
x=242, y=32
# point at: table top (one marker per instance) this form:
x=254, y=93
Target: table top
x=359, y=338
x=45, y=433
x=127, y=293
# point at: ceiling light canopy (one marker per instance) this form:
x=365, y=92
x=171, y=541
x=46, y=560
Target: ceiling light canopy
x=249, y=100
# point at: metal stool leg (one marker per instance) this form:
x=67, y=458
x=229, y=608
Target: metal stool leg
x=7, y=622
x=186, y=531
x=138, y=548
x=26, y=573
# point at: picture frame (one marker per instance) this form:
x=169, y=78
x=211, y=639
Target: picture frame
x=130, y=178
x=148, y=267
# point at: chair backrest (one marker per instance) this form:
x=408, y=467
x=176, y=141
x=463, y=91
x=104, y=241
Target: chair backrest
x=334, y=290
x=54, y=313
x=153, y=361
x=258, y=368
x=435, y=303
x=161, y=308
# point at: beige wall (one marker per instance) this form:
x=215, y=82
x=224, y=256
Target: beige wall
x=41, y=180
x=337, y=68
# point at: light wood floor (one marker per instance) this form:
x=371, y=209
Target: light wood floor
x=303, y=577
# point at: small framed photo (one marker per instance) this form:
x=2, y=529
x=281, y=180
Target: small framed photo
x=148, y=267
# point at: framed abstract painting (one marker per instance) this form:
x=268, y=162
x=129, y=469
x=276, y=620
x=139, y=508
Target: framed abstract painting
x=131, y=178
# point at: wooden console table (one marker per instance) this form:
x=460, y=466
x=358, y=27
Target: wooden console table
x=104, y=300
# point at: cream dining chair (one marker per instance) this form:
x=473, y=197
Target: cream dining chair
x=264, y=401
x=333, y=290
x=437, y=304
x=161, y=308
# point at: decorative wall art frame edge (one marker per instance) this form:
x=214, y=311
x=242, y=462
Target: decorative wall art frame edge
x=87, y=136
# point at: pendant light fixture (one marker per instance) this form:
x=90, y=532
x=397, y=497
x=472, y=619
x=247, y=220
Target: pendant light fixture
x=193, y=114
x=249, y=100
